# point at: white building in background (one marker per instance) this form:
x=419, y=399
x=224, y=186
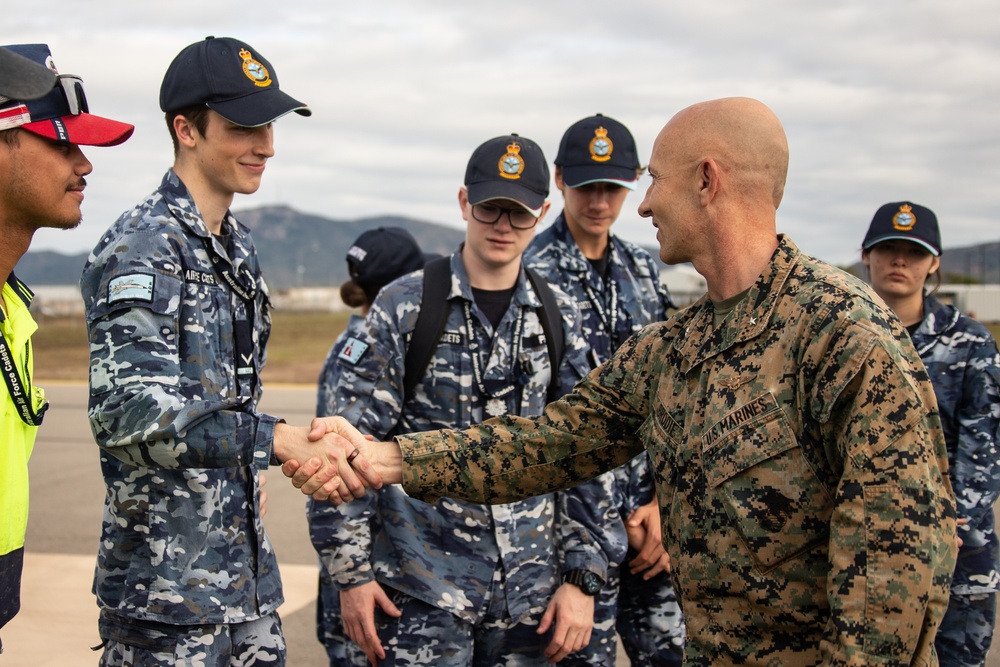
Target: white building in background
x=685, y=284
x=981, y=302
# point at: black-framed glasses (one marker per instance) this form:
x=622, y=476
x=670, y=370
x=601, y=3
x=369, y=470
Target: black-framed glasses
x=520, y=218
x=72, y=88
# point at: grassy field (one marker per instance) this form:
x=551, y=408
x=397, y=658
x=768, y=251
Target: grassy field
x=295, y=354
x=299, y=343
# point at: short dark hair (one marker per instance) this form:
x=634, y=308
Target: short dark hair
x=197, y=114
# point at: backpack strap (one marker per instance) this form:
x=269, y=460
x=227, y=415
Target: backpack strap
x=434, y=313
x=430, y=322
x=552, y=325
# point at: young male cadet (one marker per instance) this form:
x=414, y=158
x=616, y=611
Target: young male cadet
x=178, y=318
x=454, y=583
x=799, y=457
x=42, y=170
x=617, y=288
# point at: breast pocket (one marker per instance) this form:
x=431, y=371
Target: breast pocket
x=756, y=469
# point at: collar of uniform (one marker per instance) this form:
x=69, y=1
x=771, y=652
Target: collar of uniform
x=749, y=318
x=574, y=260
x=523, y=296
x=182, y=205
x=938, y=319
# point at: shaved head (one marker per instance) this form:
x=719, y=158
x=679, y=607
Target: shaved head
x=743, y=135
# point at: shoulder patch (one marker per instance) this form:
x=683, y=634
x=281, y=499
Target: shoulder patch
x=133, y=287
x=353, y=350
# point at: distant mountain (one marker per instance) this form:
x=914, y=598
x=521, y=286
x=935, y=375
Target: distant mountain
x=302, y=250
x=296, y=249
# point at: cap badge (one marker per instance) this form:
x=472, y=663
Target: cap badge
x=600, y=146
x=255, y=71
x=904, y=219
x=511, y=164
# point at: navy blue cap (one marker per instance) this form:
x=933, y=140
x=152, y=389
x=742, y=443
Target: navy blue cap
x=62, y=114
x=906, y=221
x=229, y=77
x=22, y=78
x=511, y=167
x=598, y=149
x=381, y=255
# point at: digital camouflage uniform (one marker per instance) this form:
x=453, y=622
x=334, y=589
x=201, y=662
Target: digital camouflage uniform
x=800, y=467
x=962, y=361
x=648, y=615
x=181, y=440
x=329, y=622
x=467, y=567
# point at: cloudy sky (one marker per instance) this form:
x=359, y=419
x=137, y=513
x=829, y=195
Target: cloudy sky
x=881, y=101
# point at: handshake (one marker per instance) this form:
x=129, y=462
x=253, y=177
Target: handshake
x=331, y=460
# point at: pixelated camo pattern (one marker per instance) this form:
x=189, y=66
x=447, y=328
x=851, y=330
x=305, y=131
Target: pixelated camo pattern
x=800, y=467
x=181, y=444
x=446, y=553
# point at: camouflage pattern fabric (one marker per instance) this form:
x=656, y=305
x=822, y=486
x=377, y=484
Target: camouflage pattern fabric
x=962, y=360
x=639, y=298
x=130, y=643
x=965, y=635
x=181, y=441
x=447, y=554
x=800, y=466
x=329, y=374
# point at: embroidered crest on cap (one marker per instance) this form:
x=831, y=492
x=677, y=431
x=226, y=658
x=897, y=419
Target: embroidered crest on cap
x=904, y=219
x=511, y=164
x=255, y=71
x=600, y=146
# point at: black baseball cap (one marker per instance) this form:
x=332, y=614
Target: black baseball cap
x=906, y=221
x=381, y=255
x=22, y=78
x=229, y=77
x=62, y=114
x=598, y=149
x=510, y=167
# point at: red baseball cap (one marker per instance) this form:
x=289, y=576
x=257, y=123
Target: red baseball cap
x=62, y=114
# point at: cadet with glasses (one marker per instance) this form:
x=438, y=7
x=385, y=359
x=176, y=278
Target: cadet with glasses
x=902, y=251
x=457, y=583
x=42, y=180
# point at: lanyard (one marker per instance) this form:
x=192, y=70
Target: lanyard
x=610, y=325
x=494, y=390
x=244, y=286
x=16, y=388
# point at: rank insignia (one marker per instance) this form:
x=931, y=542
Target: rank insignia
x=254, y=70
x=600, y=146
x=904, y=219
x=511, y=164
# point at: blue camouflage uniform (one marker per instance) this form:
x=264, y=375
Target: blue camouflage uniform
x=645, y=614
x=964, y=367
x=472, y=563
x=181, y=440
x=329, y=622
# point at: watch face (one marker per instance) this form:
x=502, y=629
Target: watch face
x=591, y=583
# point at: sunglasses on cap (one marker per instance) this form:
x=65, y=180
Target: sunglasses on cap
x=72, y=89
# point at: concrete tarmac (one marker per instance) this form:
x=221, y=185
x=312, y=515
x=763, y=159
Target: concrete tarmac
x=57, y=624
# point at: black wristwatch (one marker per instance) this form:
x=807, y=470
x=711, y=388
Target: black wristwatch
x=588, y=582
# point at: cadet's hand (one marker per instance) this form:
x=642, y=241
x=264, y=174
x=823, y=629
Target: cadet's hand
x=324, y=473
x=262, y=505
x=644, y=535
x=572, y=611
x=357, y=609
x=379, y=460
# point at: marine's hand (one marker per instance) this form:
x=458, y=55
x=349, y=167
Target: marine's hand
x=645, y=536
x=324, y=472
x=357, y=609
x=572, y=613
x=381, y=460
